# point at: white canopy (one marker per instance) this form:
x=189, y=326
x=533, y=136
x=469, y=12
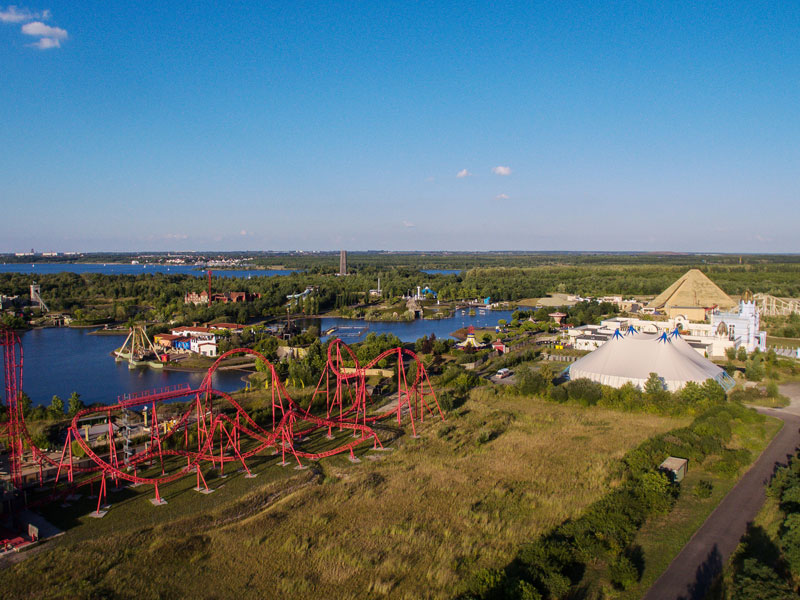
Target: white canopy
x=632, y=357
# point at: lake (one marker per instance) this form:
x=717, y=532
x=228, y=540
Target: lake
x=353, y=330
x=62, y=360
x=442, y=271
x=59, y=361
x=125, y=269
x=120, y=269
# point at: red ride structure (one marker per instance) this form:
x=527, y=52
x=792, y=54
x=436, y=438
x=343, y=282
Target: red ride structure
x=213, y=430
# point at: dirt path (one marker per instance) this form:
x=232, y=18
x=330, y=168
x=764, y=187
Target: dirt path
x=691, y=572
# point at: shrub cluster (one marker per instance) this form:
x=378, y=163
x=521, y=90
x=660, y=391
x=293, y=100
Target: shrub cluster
x=761, y=568
x=693, y=399
x=785, y=487
x=551, y=565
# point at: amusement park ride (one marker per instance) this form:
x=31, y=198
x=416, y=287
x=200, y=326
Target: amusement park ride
x=214, y=430
x=138, y=350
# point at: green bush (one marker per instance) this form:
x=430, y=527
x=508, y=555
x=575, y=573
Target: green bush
x=730, y=462
x=530, y=382
x=772, y=390
x=703, y=489
x=445, y=401
x=790, y=542
x=584, y=391
x=559, y=394
x=623, y=572
x=77, y=449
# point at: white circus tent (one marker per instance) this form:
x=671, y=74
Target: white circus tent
x=633, y=356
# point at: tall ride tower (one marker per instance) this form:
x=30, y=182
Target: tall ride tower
x=343, y=262
x=36, y=297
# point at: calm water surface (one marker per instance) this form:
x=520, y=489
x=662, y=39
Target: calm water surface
x=62, y=360
x=442, y=271
x=123, y=269
x=115, y=269
x=353, y=330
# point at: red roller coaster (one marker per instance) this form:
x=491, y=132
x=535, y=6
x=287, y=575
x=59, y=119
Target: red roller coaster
x=214, y=430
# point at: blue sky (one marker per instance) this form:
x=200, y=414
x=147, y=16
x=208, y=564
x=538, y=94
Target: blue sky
x=326, y=125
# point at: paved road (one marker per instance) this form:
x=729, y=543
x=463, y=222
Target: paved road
x=691, y=573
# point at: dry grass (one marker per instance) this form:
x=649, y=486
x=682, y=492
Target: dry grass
x=412, y=523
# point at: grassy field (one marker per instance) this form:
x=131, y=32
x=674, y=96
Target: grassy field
x=554, y=299
x=411, y=523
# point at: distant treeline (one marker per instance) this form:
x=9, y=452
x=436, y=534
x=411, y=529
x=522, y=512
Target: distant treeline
x=575, y=274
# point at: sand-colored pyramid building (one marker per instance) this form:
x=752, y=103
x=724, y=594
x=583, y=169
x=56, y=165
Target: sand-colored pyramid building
x=692, y=296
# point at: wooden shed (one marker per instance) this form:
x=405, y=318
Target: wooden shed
x=675, y=468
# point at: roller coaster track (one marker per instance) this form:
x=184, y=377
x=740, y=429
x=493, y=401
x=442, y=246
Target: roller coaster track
x=214, y=430
x=772, y=306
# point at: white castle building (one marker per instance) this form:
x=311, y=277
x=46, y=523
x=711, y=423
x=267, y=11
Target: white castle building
x=725, y=330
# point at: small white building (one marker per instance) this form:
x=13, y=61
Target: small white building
x=205, y=345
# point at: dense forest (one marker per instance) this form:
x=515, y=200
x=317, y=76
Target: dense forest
x=120, y=297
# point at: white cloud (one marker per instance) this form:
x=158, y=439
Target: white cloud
x=46, y=43
x=500, y=170
x=38, y=28
x=463, y=173
x=14, y=14
x=408, y=224
x=49, y=37
x=501, y=197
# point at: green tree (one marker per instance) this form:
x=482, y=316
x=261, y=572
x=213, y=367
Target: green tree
x=56, y=407
x=654, y=385
x=530, y=382
x=24, y=403
x=692, y=393
x=754, y=369
x=790, y=541
x=75, y=404
x=714, y=392
x=755, y=580
x=741, y=354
